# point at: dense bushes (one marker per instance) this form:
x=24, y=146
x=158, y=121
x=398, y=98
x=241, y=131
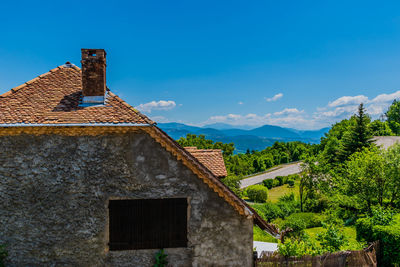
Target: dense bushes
x=281, y=180
x=257, y=193
x=268, y=183
x=233, y=182
x=271, y=211
x=302, y=220
x=387, y=232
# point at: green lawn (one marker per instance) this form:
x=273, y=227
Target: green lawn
x=349, y=232
x=276, y=192
x=260, y=235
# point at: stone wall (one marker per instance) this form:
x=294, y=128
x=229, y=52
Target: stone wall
x=55, y=192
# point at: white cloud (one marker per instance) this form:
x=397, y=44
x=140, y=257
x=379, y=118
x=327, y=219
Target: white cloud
x=386, y=97
x=348, y=100
x=274, y=98
x=346, y=106
x=334, y=111
x=287, y=111
x=286, y=118
x=161, y=119
x=240, y=103
x=159, y=105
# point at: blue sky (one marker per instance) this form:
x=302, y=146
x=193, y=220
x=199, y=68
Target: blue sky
x=300, y=64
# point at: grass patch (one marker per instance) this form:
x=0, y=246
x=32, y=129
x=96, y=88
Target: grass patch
x=349, y=232
x=260, y=235
x=276, y=192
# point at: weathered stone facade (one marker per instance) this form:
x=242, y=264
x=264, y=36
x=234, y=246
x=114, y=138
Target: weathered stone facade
x=55, y=192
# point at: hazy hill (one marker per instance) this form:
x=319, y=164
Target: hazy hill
x=244, y=138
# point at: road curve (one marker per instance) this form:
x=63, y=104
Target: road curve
x=284, y=170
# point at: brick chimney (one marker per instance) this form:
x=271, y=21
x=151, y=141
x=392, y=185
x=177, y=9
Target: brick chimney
x=93, y=75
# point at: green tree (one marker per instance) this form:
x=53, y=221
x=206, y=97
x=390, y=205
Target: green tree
x=393, y=117
x=201, y=142
x=392, y=172
x=366, y=177
x=358, y=136
x=380, y=128
x=308, y=181
x=332, y=238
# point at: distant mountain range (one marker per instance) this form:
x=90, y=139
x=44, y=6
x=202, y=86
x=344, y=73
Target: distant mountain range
x=244, y=137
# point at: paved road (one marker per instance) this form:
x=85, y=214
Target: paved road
x=283, y=171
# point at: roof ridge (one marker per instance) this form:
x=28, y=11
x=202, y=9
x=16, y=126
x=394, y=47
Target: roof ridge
x=37, y=78
x=132, y=108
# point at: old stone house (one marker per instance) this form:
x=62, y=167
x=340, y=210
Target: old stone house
x=87, y=180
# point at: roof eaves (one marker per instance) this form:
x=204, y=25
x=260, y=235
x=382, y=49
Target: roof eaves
x=72, y=124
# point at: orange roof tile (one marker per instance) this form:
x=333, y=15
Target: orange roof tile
x=54, y=98
x=210, y=158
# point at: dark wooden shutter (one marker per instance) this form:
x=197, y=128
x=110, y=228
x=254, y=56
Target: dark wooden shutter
x=148, y=223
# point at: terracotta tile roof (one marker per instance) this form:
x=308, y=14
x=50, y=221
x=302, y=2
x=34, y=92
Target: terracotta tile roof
x=210, y=158
x=54, y=98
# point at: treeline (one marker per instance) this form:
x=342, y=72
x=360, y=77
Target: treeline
x=356, y=182
x=253, y=161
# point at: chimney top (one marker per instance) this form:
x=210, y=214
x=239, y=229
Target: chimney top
x=93, y=75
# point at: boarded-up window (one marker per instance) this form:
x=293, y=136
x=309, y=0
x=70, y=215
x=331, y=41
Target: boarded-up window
x=148, y=223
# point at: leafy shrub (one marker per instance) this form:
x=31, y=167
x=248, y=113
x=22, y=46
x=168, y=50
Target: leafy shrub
x=295, y=223
x=268, y=211
x=388, y=234
x=295, y=176
x=316, y=204
x=290, y=182
x=268, y=183
x=382, y=216
x=233, y=182
x=292, y=248
x=298, y=248
x=332, y=238
x=275, y=183
x=287, y=198
x=161, y=259
x=280, y=180
x=288, y=204
x=302, y=220
x=257, y=193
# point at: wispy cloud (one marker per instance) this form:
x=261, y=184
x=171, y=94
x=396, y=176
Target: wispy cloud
x=274, y=98
x=289, y=117
x=287, y=111
x=334, y=111
x=240, y=103
x=157, y=105
x=348, y=100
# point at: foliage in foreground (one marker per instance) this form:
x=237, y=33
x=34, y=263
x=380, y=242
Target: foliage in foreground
x=331, y=239
x=383, y=226
x=161, y=259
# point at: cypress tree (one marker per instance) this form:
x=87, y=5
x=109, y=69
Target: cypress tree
x=358, y=136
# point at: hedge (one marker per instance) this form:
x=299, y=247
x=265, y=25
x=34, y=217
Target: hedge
x=388, y=235
x=268, y=183
x=257, y=193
